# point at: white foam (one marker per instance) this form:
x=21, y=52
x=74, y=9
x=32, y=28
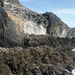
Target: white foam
x=73, y=71
x=73, y=49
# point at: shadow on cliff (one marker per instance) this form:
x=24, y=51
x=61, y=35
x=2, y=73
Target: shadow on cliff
x=9, y=44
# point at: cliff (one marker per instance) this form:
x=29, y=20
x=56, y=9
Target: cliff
x=38, y=24
x=28, y=45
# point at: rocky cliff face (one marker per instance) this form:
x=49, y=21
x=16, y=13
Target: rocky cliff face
x=8, y=27
x=22, y=20
x=72, y=32
x=14, y=2
x=3, y=22
x=34, y=23
x=24, y=54
x=55, y=26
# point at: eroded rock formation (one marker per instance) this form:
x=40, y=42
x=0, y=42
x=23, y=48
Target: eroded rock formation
x=24, y=54
x=47, y=22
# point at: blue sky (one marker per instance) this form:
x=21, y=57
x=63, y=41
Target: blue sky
x=65, y=9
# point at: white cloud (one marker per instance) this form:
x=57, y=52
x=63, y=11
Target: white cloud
x=65, y=11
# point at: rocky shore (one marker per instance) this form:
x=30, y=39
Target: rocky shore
x=34, y=44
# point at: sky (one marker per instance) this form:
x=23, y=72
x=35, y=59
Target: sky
x=64, y=9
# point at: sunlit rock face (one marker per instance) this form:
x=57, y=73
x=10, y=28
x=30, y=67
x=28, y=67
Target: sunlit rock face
x=15, y=2
x=72, y=32
x=35, y=23
x=63, y=33
x=32, y=28
x=56, y=26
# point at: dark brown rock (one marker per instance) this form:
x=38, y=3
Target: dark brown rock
x=4, y=69
x=29, y=61
x=3, y=22
x=1, y=3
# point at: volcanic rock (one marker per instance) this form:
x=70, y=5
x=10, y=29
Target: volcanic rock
x=35, y=23
x=39, y=54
